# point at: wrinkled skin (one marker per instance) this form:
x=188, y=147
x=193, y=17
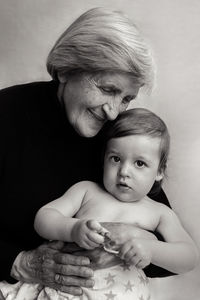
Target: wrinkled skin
x=67, y=267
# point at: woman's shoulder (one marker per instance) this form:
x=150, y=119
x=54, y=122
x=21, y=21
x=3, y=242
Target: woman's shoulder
x=20, y=104
x=24, y=92
x=16, y=100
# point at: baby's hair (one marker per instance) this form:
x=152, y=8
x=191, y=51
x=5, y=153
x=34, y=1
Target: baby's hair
x=141, y=121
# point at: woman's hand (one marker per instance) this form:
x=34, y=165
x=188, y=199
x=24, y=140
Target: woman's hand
x=120, y=233
x=50, y=266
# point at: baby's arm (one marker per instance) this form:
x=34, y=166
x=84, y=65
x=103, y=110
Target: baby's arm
x=177, y=254
x=55, y=221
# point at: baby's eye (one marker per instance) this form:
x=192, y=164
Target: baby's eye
x=115, y=158
x=140, y=164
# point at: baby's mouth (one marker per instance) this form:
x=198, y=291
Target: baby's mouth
x=123, y=185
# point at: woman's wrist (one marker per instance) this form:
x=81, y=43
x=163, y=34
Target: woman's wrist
x=21, y=267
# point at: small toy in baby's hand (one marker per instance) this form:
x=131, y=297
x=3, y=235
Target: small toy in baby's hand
x=108, y=244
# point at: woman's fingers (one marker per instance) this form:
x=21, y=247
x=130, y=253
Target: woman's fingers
x=66, y=278
x=71, y=270
x=73, y=281
x=51, y=267
x=73, y=290
x=69, y=259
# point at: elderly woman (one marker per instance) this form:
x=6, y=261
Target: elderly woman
x=49, y=141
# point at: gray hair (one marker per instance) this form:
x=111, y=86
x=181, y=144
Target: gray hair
x=101, y=40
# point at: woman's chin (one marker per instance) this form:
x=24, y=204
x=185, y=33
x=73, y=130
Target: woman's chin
x=88, y=132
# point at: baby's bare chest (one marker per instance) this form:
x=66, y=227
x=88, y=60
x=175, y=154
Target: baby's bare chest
x=104, y=208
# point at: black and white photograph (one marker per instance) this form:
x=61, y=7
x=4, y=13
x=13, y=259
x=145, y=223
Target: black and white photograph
x=99, y=150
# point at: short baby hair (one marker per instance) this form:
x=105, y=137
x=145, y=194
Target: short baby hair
x=141, y=121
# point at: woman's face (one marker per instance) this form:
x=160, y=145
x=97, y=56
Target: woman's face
x=90, y=101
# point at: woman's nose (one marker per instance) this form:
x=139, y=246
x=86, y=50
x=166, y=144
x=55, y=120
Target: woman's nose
x=111, y=110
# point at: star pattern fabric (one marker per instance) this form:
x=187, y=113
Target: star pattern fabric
x=121, y=282
x=110, y=296
x=110, y=278
x=129, y=286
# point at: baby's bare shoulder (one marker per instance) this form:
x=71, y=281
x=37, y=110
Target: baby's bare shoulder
x=90, y=187
x=86, y=184
x=157, y=206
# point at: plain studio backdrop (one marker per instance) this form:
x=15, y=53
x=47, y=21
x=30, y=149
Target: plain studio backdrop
x=29, y=28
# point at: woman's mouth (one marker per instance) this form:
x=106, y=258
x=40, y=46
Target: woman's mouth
x=97, y=116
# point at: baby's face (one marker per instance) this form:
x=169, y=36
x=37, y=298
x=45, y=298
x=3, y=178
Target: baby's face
x=131, y=166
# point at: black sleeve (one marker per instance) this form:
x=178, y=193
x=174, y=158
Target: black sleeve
x=9, y=249
x=9, y=252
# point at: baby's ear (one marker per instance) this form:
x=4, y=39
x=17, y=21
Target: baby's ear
x=159, y=176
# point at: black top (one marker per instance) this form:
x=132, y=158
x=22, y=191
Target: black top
x=41, y=156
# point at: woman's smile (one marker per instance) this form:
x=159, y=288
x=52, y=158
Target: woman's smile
x=88, y=106
x=97, y=116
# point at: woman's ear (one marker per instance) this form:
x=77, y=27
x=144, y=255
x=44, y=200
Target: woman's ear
x=62, y=78
x=159, y=176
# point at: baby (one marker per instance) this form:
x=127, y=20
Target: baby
x=135, y=159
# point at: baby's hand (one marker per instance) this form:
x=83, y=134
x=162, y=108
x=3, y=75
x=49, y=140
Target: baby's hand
x=88, y=234
x=136, y=251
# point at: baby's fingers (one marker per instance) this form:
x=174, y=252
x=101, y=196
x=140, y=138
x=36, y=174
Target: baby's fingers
x=126, y=250
x=96, y=238
x=129, y=254
x=134, y=260
x=142, y=264
x=131, y=257
x=94, y=225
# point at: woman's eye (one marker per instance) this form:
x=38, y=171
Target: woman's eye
x=115, y=159
x=108, y=90
x=140, y=164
